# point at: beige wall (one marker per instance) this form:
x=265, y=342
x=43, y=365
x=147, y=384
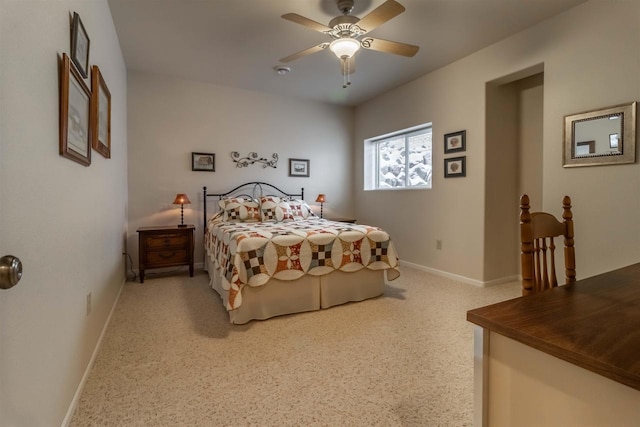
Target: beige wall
x=65, y=221
x=170, y=118
x=577, y=49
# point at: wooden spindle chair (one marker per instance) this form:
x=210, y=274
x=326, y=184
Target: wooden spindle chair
x=537, y=233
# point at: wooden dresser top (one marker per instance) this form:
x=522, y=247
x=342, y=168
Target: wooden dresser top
x=167, y=228
x=593, y=323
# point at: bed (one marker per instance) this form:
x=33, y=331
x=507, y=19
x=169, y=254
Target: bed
x=267, y=254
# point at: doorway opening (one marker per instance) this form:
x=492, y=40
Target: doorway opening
x=514, y=133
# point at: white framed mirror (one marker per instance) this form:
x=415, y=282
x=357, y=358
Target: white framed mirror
x=600, y=137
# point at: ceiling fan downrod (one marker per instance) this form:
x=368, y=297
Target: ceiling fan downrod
x=345, y=6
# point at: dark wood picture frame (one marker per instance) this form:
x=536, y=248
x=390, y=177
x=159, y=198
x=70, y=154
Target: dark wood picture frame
x=203, y=162
x=299, y=167
x=80, y=45
x=455, y=142
x=100, y=114
x=75, y=115
x=455, y=167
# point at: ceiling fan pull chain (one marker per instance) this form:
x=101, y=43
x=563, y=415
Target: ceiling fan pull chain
x=346, y=72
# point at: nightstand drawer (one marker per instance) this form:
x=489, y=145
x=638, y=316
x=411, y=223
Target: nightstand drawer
x=171, y=256
x=165, y=241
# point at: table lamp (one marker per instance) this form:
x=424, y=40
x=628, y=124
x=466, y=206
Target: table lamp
x=182, y=199
x=321, y=199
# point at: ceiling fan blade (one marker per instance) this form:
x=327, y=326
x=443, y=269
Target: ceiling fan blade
x=309, y=51
x=309, y=23
x=380, y=15
x=387, y=46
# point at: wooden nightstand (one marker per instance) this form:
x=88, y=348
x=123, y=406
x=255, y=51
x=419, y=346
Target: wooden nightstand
x=166, y=246
x=349, y=220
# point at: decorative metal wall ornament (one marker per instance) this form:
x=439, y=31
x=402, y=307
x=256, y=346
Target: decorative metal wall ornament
x=243, y=162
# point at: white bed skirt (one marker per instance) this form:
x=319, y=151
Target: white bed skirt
x=309, y=293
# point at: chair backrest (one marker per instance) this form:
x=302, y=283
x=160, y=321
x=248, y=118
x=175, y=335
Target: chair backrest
x=537, y=233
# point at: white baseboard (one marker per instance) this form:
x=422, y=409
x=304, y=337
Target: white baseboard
x=85, y=376
x=458, y=278
x=507, y=279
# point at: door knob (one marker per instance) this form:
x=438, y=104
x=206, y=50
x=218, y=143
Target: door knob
x=10, y=271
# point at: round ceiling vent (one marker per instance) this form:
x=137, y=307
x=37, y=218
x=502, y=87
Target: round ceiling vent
x=282, y=70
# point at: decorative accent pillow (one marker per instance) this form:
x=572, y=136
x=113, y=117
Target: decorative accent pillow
x=284, y=212
x=240, y=209
x=276, y=209
x=268, y=205
x=300, y=209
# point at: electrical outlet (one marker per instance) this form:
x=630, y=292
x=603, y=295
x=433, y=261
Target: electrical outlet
x=89, y=303
x=439, y=244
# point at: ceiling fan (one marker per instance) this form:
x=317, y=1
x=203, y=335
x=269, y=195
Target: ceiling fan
x=349, y=34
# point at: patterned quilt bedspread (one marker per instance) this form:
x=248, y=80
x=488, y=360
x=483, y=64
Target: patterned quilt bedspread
x=252, y=253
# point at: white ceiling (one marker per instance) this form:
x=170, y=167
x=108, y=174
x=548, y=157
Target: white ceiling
x=238, y=42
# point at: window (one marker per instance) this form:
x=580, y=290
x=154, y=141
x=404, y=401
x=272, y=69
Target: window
x=399, y=160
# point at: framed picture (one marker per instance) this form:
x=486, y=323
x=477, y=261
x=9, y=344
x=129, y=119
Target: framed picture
x=203, y=162
x=79, y=45
x=613, y=140
x=100, y=114
x=455, y=141
x=299, y=167
x=75, y=113
x=455, y=167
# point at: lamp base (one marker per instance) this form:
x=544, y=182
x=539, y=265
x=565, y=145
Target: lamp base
x=182, y=225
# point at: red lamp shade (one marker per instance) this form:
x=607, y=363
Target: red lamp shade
x=182, y=199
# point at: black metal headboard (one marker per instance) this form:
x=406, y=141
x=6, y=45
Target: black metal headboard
x=257, y=190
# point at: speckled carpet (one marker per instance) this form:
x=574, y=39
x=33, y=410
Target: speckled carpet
x=171, y=358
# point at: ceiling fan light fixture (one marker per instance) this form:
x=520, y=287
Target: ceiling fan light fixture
x=346, y=30
x=345, y=47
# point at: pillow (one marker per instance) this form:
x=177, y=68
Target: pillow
x=300, y=209
x=268, y=205
x=284, y=212
x=240, y=209
x=276, y=209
